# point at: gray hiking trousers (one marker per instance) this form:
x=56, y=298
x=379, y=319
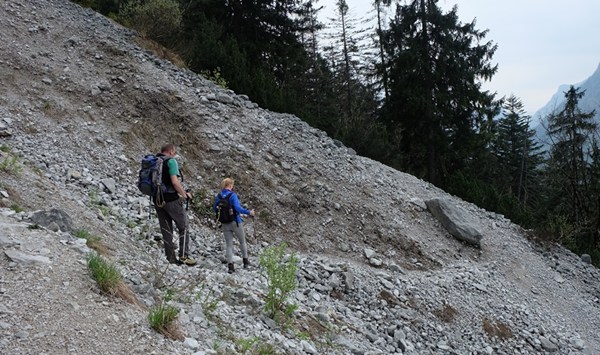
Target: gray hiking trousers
x=229, y=230
x=173, y=212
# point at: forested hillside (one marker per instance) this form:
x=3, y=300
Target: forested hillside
x=406, y=90
x=373, y=260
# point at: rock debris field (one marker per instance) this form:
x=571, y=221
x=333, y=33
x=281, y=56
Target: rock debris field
x=380, y=271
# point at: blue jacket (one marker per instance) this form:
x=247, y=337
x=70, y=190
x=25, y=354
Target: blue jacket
x=235, y=202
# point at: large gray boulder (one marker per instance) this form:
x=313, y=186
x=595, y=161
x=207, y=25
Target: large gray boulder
x=455, y=220
x=54, y=215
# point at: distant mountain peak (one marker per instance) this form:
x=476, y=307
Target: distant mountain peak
x=590, y=101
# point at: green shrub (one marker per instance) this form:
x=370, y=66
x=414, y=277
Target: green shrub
x=156, y=19
x=281, y=280
x=206, y=297
x=81, y=233
x=215, y=76
x=11, y=165
x=202, y=202
x=16, y=208
x=105, y=273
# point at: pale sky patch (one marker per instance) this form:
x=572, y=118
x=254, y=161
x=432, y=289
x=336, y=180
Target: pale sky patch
x=542, y=44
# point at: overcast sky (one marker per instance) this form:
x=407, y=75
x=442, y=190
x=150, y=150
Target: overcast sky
x=541, y=43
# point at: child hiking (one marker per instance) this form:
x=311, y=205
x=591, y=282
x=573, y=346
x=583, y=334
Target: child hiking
x=228, y=209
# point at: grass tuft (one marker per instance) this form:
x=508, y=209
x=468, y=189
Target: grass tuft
x=109, y=278
x=163, y=318
x=92, y=241
x=105, y=273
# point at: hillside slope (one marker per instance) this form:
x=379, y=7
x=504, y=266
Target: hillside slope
x=81, y=103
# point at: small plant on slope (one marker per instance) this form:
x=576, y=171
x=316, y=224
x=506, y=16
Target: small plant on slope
x=281, y=281
x=162, y=319
x=109, y=278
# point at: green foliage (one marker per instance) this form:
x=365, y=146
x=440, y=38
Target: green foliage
x=207, y=300
x=81, y=233
x=201, y=203
x=568, y=173
x=254, y=346
x=518, y=157
x=106, y=274
x=159, y=20
x=486, y=195
x=280, y=271
x=572, y=177
x=96, y=202
x=215, y=76
x=16, y=208
x=34, y=226
x=436, y=105
x=244, y=345
x=162, y=317
x=4, y=148
x=94, y=198
x=105, y=7
x=11, y=165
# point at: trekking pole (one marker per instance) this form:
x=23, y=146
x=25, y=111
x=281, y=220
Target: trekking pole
x=187, y=200
x=187, y=224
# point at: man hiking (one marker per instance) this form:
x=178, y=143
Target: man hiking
x=169, y=208
x=228, y=209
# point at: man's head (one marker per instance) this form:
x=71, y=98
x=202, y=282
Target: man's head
x=168, y=149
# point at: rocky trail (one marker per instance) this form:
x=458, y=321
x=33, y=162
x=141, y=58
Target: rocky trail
x=81, y=102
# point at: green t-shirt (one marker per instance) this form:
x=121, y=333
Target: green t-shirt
x=173, y=167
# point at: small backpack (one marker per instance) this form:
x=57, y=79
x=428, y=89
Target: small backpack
x=225, y=211
x=150, y=181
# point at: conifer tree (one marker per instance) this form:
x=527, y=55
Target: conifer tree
x=436, y=107
x=355, y=100
x=518, y=155
x=568, y=176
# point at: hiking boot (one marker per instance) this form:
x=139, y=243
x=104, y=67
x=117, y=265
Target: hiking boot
x=246, y=263
x=187, y=260
x=176, y=262
x=230, y=268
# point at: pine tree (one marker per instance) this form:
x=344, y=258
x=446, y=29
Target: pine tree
x=518, y=155
x=355, y=99
x=436, y=106
x=568, y=178
x=381, y=60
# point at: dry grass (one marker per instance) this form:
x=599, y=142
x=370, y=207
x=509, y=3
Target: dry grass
x=388, y=297
x=161, y=51
x=172, y=331
x=498, y=329
x=311, y=326
x=446, y=314
x=123, y=292
x=97, y=245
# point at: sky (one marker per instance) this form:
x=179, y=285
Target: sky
x=542, y=44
